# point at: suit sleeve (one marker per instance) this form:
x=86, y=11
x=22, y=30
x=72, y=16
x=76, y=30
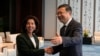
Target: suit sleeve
x=57, y=48
x=24, y=49
x=76, y=36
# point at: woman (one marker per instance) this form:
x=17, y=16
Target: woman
x=27, y=41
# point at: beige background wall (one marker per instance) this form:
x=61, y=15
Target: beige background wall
x=49, y=18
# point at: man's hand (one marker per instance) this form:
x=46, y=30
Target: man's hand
x=57, y=39
x=49, y=50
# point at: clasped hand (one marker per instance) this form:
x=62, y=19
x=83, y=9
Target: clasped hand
x=49, y=50
x=57, y=40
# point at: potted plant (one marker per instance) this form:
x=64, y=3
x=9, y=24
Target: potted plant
x=86, y=33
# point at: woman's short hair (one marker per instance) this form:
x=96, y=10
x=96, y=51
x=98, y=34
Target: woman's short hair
x=25, y=22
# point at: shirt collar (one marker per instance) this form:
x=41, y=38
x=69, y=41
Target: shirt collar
x=68, y=21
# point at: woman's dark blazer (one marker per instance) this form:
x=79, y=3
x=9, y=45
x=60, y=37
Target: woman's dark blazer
x=25, y=46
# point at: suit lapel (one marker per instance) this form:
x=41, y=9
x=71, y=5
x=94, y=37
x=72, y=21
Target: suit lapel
x=28, y=40
x=69, y=27
x=36, y=40
x=67, y=30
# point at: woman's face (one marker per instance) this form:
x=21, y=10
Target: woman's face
x=30, y=26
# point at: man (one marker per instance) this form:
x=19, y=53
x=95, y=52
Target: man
x=69, y=41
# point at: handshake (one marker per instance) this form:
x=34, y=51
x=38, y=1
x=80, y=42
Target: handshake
x=49, y=50
x=57, y=40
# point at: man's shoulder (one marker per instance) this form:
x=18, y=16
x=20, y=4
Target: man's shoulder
x=74, y=22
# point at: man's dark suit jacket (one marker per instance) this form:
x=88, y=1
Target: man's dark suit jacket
x=25, y=46
x=72, y=40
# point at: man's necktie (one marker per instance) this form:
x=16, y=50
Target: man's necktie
x=63, y=30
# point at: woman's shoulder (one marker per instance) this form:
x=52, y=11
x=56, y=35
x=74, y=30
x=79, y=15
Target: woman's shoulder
x=21, y=35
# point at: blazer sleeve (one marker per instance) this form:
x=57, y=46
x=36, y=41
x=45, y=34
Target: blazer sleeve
x=23, y=48
x=75, y=38
x=57, y=48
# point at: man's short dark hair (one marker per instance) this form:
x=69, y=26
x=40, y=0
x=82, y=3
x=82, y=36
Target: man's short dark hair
x=68, y=8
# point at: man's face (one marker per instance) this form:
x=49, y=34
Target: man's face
x=63, y=15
